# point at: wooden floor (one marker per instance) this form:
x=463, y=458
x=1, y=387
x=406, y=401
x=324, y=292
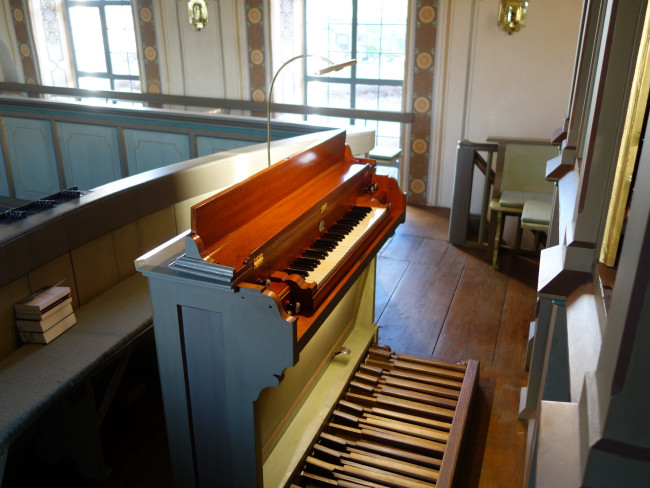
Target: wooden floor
x=433, y=300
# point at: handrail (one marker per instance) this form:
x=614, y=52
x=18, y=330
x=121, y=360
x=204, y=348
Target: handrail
x=223, y=103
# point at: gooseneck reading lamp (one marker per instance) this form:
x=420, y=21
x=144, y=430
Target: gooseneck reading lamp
x=329, y=69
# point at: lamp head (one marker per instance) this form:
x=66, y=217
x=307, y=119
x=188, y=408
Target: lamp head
x=337, y=67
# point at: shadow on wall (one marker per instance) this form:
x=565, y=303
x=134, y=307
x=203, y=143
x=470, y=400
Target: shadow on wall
x=8, y=70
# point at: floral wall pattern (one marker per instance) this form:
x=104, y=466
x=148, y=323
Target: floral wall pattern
x=420, y=140
x=151, y=68
x=22, y=30
x=256, y=49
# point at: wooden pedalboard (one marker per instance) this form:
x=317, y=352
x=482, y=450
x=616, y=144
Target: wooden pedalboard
x=400, y=423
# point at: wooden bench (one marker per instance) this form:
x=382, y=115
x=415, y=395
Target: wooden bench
x=35, y=377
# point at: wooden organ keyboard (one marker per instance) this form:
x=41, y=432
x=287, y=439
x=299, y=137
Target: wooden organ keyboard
x=250, y=307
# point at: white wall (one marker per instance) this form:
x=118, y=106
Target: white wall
x=212, y=62
x=490, y=83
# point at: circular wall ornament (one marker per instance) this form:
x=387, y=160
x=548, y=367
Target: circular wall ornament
x=18, y=15
x=257, y=56
x=427, y=14
x=25, y=50
x=422, y=105
x=255, y=15
x=418, y=186
x=424, y=60
x=258, y=95
x=146, y=15
x=419, y=146
x=150, y=53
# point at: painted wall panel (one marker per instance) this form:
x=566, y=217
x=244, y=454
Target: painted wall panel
x=211, y=145
x=31, y=157
x=4, y=185
x=147, y=150
x=90, y=155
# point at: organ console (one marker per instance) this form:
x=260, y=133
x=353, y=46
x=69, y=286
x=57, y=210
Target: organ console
x=250, y=306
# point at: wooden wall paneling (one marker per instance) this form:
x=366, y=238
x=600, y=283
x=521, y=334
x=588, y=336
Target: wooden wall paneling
x=10, y=294
x=209, y=145
x=94, y=267
x=58, y=270
x=147, y=149
x=32, y=157
x=90, y=154
x=156, y=228
x=127, y=249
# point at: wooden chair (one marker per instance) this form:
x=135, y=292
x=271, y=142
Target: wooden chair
x=520, y=184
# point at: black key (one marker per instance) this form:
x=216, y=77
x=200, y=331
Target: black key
x=299, y=272
x=300, y=263
x=343, y=229
x=316, y=254
x=323, y=245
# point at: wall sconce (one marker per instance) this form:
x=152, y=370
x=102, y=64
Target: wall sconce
x=197, y=11
x=328, y=69
x=512, y=15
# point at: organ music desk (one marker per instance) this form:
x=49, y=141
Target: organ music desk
x=250, y=306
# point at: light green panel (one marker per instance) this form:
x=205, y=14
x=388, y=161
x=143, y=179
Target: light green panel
x=524, y=167
x=146, y=150
x=4, y=184
x=31, y=157
x=90, y=155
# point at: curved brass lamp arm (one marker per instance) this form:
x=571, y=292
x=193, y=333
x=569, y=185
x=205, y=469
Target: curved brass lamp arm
x=332, y=67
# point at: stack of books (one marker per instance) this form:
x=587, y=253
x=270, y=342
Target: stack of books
x=45, y=314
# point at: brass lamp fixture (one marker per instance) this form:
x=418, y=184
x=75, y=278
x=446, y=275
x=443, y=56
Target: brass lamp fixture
x=512, y=15
x=197, y=11
x=328, y=69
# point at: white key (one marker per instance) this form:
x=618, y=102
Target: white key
x=345, y=247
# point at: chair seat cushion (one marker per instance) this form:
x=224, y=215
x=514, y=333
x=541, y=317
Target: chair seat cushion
x=511, y=198
x=536, y=212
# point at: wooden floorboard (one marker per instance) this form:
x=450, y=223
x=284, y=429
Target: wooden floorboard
x=432, y=300
x=415, y=314
x=471, y=327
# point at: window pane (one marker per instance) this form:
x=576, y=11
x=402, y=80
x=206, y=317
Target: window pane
x=367, y=97
x=369, y=11
x=388, y=134
x=92, y=83
x=368, y=47
x=87, y=39
x=121, y=39
x=319, y=12
x=329, y=33
x=368, y=65
x=323, y=94
x=390, y=98
x=127, y=85
x=393, y=11
x=391, y=67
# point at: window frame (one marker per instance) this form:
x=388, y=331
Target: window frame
x=109, y=74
